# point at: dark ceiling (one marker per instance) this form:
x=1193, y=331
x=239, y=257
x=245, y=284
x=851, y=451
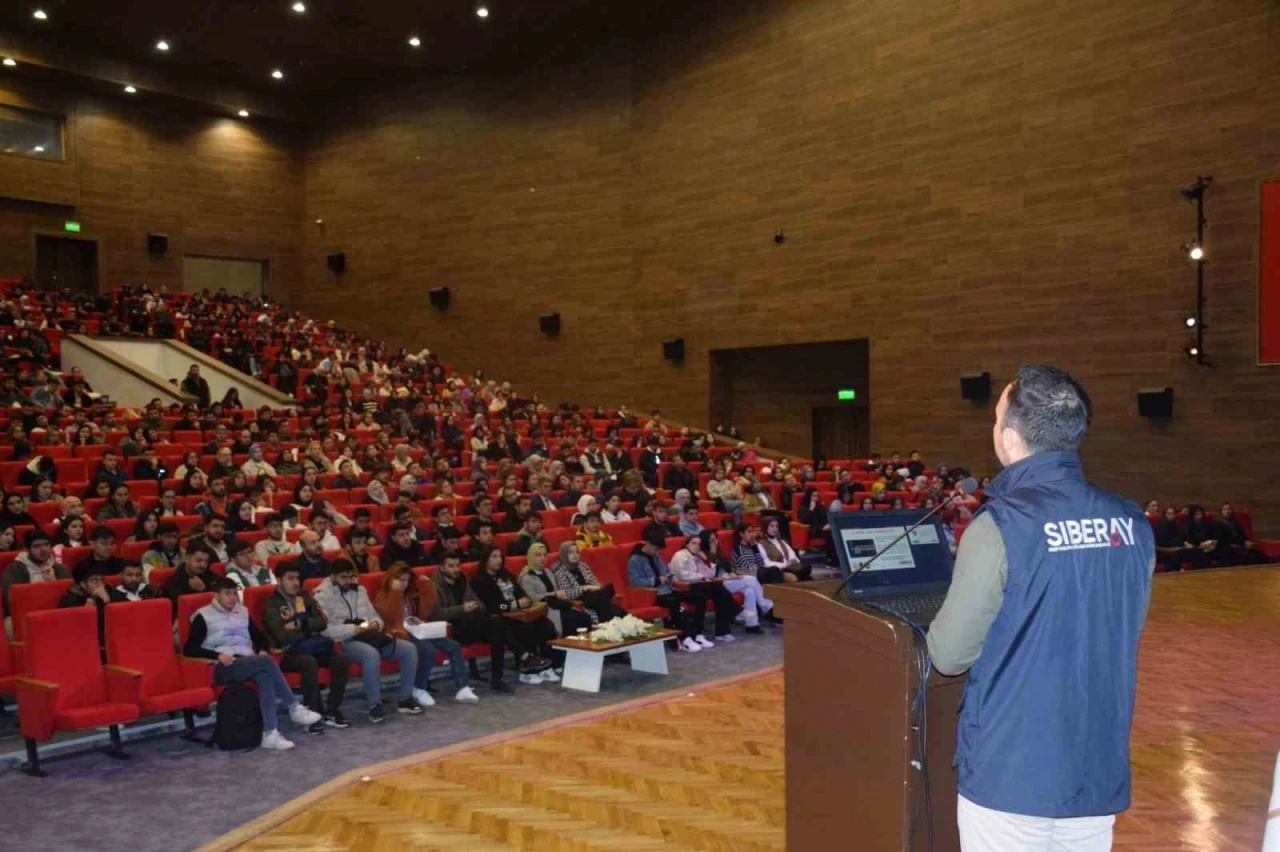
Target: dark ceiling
x=333, y=47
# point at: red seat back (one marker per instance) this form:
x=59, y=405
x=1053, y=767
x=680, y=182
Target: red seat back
x=187, y=606
x=255, y=600
x=62, y=648
x=28, y=598
x=140, y=636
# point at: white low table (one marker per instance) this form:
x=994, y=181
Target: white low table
x=584, y=660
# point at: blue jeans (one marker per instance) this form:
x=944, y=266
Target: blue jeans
x=427, y=650
x=369, y=660
x=273, y=689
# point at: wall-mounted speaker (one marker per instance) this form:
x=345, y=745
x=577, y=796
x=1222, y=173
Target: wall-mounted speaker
x=439, y=297
x=550, y=324
x=673, y=349
x=976, y=387
x=337, y=262
x=1155, y=402
x=157, y=243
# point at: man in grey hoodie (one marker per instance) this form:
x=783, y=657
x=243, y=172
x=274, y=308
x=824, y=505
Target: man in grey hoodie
x=354, y=622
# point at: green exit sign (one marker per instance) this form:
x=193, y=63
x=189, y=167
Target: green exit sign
x=73, y=227
x=847, y=394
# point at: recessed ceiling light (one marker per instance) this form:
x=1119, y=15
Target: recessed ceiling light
x=482, y=11
x=40, y=15
x=299, y=7
x=244, y=113
x=278, y=74
x=130, y=90
x=39, y=149
x=10, y=61
x=162, y=45
x=414, y=41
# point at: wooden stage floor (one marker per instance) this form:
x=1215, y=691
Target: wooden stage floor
x=704, y=770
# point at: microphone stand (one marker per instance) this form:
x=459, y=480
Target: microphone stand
x=908, y=531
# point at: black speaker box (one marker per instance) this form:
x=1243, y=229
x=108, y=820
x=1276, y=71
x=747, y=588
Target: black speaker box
x=157, y=243
x=337, y=262
x=673, y=349
x=439, y=297
x=976, y=387
x=550, y=324
x=1155, y=402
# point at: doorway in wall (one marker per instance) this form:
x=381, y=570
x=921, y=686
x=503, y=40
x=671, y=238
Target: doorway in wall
x=838, y=432
x=67, y=263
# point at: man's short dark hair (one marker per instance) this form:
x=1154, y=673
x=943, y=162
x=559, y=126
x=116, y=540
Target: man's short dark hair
x=287, y=568
x=435, y=513
x=215, y=517
x=273, y=518
x=362, y=513
x=342, y=566
x=450, y=533
x=200, y=548
x=225, y=584
x=1048, y=408
x=102, y=533
x=36, y=536
x=401, y=526
x=656, y=538
x=166, y=528
x=236, y=547
x=484, y=525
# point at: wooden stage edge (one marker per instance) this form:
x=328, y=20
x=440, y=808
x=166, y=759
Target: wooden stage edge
x=239, y=836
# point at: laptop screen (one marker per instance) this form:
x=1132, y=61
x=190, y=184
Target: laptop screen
x=921, y=559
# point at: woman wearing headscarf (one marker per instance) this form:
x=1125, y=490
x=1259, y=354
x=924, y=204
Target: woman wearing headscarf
x=538, y=581
x=1172, y=547
x=587, y=504
x=1206, y=537
x=575, y=577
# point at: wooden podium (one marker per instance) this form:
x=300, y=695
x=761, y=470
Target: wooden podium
x=850, y=677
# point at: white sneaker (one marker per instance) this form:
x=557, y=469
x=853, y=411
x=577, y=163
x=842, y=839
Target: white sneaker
x=423, y=698
x=689, y=645
x=704, y=641
x=301, y=715
x=549, y=675
x=728, y=637
x=467, y=695
x=740, y=619
x=530, y=678
x=274, y=741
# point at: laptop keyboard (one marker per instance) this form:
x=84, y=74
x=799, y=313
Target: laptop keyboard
x=920, y=609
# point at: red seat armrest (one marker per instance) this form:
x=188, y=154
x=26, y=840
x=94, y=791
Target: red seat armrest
x=37, y=702
x=18, y=653
x=196, y=672
x=1269, y=546
x=123, y=685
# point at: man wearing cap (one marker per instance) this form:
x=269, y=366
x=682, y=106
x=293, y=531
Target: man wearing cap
x=257, y=466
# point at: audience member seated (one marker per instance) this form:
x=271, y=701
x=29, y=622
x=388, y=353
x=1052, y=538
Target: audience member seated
x=690, y=566
x=110, y=470
x=679, y=476
x=195, y=576
x=403, y=595
x=134, y=586
x=257, y=466
x=15, y=511
x=214, y=538
x=353, y=621
x=242, y=569
x=1206, y=536
x=592, y=534
x=688, y=523
x=357, y=553
x=1240, y=549
x=530, y=534
x=575, y=577
x=754, y=602
x=222, y=631
x=448, y=543
x=613, y=513
x=526, y=627
x=36, y=564
x=403, y=546
x=647, y=570
x=296, y=626
x=777, y=552
x=538, y=582
x=275, y=544
x=469, y=621
x=90, y=589
x=103, y=557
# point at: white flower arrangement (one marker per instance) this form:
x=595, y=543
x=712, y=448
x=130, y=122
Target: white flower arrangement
x=622, y=629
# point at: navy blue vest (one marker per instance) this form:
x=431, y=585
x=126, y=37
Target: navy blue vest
x=1044, y=726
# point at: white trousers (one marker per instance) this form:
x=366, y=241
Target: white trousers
x=985, y=830
x=752, y=597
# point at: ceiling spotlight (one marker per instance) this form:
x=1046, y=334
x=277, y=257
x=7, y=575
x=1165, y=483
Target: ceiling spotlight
x=39, y=149
x=414, y=41
x=482, y=11
x=1195, y=251
x=10, y=61
x=278, y=74
x=130, y=90
x=299, y=7
x=244, y=113
x=1193, y=351
x=1190, y=322
x=40, y=15
x=162, y=45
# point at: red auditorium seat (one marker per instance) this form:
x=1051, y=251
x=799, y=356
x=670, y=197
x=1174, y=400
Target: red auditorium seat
x=27, y=598
x=140, y=637
x=66, y=687
x=7, y=667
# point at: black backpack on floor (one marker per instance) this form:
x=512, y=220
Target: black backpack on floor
x=239, y=723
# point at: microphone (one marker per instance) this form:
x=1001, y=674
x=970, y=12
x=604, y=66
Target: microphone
x=965, y=486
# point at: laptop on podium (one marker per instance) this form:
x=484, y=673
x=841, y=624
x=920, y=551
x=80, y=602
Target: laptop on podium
x=911, y=578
